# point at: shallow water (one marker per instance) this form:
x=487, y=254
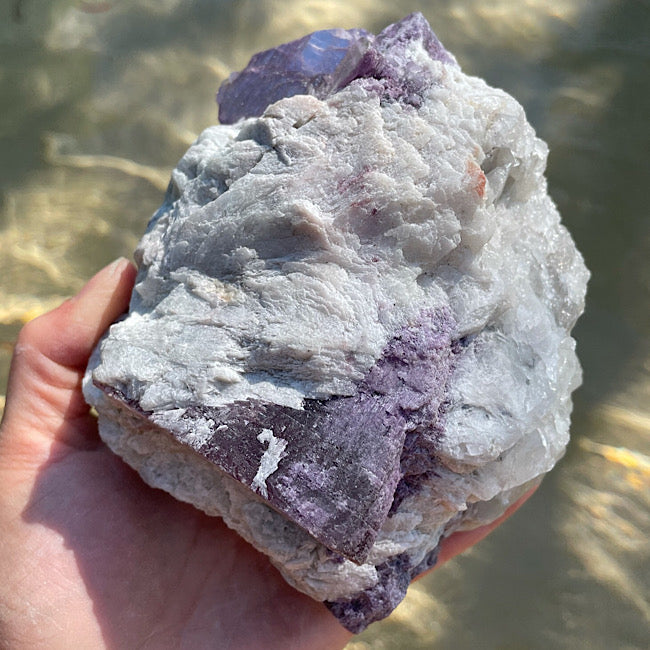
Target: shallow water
x=98, y=100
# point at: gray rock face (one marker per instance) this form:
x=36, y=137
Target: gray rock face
x=350, y=332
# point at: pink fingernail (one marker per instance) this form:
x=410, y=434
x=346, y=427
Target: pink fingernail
x=117, y=265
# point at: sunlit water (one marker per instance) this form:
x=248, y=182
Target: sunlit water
x=98, y=100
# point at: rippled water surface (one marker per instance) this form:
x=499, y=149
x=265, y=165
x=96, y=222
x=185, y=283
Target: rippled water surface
x=98, y=100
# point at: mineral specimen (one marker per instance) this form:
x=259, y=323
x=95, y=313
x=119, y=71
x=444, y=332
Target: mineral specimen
x=349, y=335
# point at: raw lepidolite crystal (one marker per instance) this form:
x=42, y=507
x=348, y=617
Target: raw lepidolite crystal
x=349, y=334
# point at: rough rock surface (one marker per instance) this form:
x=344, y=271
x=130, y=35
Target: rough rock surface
x=350, y=332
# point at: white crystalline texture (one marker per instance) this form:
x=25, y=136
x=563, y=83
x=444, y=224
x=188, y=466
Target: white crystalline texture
x=291, y=249
x=270, y=460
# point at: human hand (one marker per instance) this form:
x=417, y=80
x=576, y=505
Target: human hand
x=91, y=557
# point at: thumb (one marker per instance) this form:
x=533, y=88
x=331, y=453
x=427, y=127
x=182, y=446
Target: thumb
x=52, y=350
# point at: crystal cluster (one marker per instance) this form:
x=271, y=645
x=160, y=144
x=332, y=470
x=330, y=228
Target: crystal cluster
x=350, y=331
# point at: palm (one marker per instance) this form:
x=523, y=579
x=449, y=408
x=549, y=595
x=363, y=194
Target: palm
x=157, y=571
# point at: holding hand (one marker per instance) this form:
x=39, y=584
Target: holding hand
x=91, y=557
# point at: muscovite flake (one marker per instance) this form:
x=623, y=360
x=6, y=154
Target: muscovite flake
x=349, y=334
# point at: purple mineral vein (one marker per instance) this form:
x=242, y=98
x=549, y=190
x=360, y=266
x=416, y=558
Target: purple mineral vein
x=326, y=61
x=310, y=65
x=345, y=457
x=377, y=602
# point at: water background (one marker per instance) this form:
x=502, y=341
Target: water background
x=99, y=99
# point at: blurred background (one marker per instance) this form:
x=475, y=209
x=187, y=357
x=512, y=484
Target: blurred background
x=99, y=99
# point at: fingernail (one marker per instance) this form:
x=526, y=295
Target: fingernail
x=117, y=266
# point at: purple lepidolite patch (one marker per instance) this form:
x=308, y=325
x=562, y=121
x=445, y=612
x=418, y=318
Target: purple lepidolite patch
x=378, y=601
x=333, y=466
x=312, y=65
x=323, y=62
